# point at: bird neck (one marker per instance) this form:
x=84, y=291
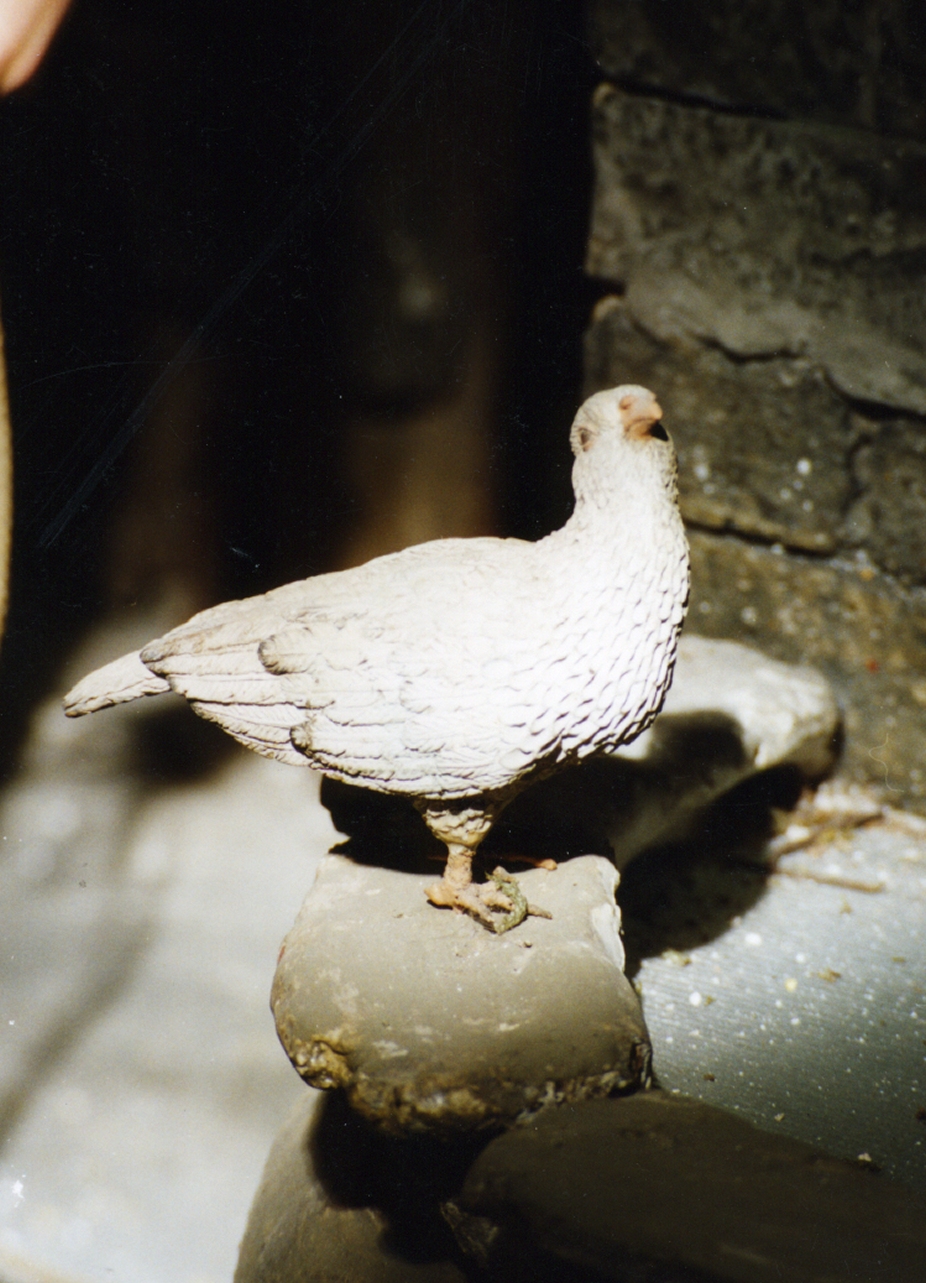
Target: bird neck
x=629, y=510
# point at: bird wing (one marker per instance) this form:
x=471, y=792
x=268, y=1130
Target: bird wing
x=409, y=673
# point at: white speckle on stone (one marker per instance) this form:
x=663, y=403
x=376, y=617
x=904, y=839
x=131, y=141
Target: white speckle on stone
x=804, y=467
x=389, y=1050
x=695, y=999
x=753, y=939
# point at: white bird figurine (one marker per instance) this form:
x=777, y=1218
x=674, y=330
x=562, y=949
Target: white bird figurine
x=458, y=671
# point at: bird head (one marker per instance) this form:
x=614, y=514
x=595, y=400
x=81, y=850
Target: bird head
x=623, y=453
x=629, y=410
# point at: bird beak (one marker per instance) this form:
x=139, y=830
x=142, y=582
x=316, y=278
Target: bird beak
x=640, y=411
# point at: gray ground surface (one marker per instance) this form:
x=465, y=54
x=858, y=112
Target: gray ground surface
x=809, y=1012
x=141, y=1081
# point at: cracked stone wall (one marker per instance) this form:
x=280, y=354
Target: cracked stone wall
x=759, y=230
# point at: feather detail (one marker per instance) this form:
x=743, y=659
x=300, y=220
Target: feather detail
x=120, y=682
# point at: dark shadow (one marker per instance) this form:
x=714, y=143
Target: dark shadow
x=684, y=894
x=697, y=831
x=174, y=746
x=404, y=1179
x=380, y=828
x=409, y=1181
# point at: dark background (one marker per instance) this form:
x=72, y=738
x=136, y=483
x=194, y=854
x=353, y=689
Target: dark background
x=210, y=229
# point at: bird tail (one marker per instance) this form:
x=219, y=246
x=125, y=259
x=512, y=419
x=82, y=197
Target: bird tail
x=123, y=680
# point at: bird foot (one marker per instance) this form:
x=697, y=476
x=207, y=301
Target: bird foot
x=499, y=904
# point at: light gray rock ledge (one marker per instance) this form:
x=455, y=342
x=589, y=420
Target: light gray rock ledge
x=430, y=1023
x=730, y=713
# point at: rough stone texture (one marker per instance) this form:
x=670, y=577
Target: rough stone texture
x=322, y=1211
x=769, y=449
x=860, y=64
x=770, y=278
x=768, y=237
x=865, y=633
x=429, y=1022
x=622, y=1187
x=889, y=513
x=763, y=446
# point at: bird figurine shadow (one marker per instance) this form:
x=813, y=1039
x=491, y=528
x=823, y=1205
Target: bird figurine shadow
x=457, y=672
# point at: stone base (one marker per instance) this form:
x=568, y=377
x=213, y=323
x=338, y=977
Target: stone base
x=663, y=1187
x=337, y=1201
x=428, y=1022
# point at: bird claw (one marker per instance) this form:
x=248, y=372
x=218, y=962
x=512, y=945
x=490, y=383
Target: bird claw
x=499, y=904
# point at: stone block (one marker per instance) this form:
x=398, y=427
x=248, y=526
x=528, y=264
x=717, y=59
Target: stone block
x=337, y=1203
x=662, y=1187
x=768, y=449
x=763, y=445
x=888, y=515
x=429, y=1023
x=859, y=627
x=767, y=238
x=861, y=64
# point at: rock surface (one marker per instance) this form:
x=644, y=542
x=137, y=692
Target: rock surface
x=337, y=1203
x=768, y=235
x=865, y=634
x=650, y=1182
x=429, y=1022
x=730, y=713
x=768, y=280
x=861, y=65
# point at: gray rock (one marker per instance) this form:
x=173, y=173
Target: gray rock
x=769, y=449
x=773, y=295
x=730, y=712
x=862, y=64
x=769, y=238
x=654, y=1182
x=430, y=1023
x=889, y=472
x=763, y=446
x=859, y=627
x=323, y=1211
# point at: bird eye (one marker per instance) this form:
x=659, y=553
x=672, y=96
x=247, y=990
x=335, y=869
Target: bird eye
x=585, y=437
x=659, y=432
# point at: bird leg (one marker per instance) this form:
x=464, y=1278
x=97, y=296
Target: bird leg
x=499, y=904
